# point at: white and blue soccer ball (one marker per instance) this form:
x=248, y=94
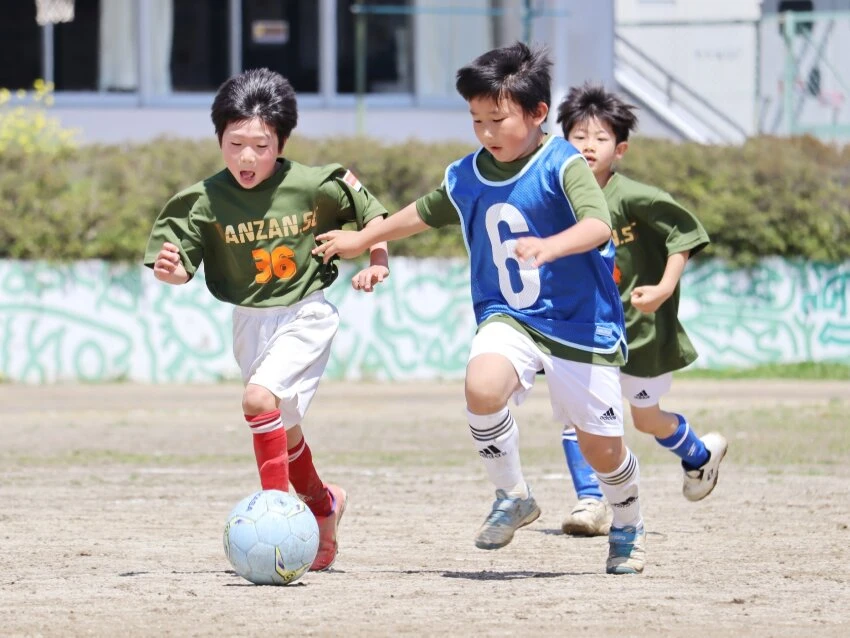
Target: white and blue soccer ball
x=271, y=538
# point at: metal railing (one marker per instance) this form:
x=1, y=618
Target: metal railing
x=696, y=106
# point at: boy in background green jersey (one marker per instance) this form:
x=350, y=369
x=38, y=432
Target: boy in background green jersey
x=253, y=226
x=654, y=236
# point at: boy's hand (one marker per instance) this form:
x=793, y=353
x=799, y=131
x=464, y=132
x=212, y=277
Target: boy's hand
x=649, y=298
x=535, y=250
x=168, y=267
x=345, y=243
x=367, y=278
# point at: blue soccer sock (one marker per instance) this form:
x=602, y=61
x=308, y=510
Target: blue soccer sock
x=584, y=478
x=685, y=444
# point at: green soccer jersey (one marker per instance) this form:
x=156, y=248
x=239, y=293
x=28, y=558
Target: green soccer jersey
x=436, y=209
x=648, y=227
x=256, y=243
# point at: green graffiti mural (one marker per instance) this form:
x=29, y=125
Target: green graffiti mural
x=96, y=321
x=779, y=311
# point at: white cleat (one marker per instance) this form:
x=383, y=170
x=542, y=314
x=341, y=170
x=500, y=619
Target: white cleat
x=700, y=482
x=590, y=517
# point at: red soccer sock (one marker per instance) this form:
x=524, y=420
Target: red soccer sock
x=270, y=450
x=306, y=480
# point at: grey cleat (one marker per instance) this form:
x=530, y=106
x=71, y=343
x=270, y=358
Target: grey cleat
x=626, y=550
x=507, y=516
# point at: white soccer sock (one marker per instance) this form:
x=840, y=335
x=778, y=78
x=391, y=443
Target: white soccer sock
x=620, y=487
x=496, y=438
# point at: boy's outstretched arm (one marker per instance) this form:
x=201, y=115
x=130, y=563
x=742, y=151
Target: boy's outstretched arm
x=649, y=298
x=379, y=264
x=348, y=243
x=588, y=234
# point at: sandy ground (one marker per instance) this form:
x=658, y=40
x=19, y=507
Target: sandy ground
x=113, y=500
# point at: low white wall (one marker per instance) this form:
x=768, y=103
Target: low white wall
x=95, y=321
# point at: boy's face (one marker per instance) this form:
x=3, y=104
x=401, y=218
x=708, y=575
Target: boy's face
x=596, y=141
x=504, y=129
x=250, y=150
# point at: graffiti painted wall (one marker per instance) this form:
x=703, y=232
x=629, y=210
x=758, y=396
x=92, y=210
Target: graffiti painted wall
x=95, y=321
x=779, y=312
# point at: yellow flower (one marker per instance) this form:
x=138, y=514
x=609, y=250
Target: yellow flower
x=26, y=128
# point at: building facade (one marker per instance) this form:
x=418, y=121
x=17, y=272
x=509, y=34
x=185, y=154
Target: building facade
x=719, y=71
x=714, y=71
x=384, y=68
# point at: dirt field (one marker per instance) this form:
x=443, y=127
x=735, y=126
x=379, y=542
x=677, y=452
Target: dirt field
x=113, y=500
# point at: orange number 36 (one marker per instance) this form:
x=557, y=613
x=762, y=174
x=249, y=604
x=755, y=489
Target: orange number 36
x=279, y=264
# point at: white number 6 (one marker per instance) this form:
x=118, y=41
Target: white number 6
x=503, y=251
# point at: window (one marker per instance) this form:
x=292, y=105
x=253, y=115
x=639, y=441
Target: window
x=801, y=27
x=20, y=40
x=185, y=44
x=75, y=48
x=389, y=46
x=283, y=35
x=156, y=50
x=200, y=51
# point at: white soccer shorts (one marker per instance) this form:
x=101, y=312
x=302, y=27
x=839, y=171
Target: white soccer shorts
x=582, y=395
x=644, y=392
x=285, y=350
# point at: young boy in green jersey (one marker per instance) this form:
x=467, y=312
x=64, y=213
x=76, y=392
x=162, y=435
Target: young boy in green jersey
x=538, y=234
x=654, y=236
x=253, y=226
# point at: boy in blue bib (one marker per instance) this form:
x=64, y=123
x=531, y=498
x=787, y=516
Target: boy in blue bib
x=538, y=233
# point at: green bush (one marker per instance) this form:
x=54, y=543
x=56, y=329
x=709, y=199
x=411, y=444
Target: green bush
x=771, y=196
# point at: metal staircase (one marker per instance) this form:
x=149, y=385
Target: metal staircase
x=670, y=99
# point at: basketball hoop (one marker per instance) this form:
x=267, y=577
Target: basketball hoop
x=54, y=11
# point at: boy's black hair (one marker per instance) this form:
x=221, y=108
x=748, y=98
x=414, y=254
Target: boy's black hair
x=256, y=93
x=592, y=100
x=514, y=72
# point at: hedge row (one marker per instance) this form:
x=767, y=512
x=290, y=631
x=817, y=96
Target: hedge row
x=785, y=197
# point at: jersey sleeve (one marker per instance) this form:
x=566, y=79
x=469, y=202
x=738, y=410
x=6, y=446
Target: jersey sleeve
x=679, y=228
x=584, y=193
x=436, y=208
x=174, y=224
x=346, y=200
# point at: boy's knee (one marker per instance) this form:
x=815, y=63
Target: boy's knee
x=490, y=382
x=258, y=400
x=482, y=398
x=603, y=453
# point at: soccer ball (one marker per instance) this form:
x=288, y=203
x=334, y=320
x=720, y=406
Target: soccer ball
x=271, y=538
